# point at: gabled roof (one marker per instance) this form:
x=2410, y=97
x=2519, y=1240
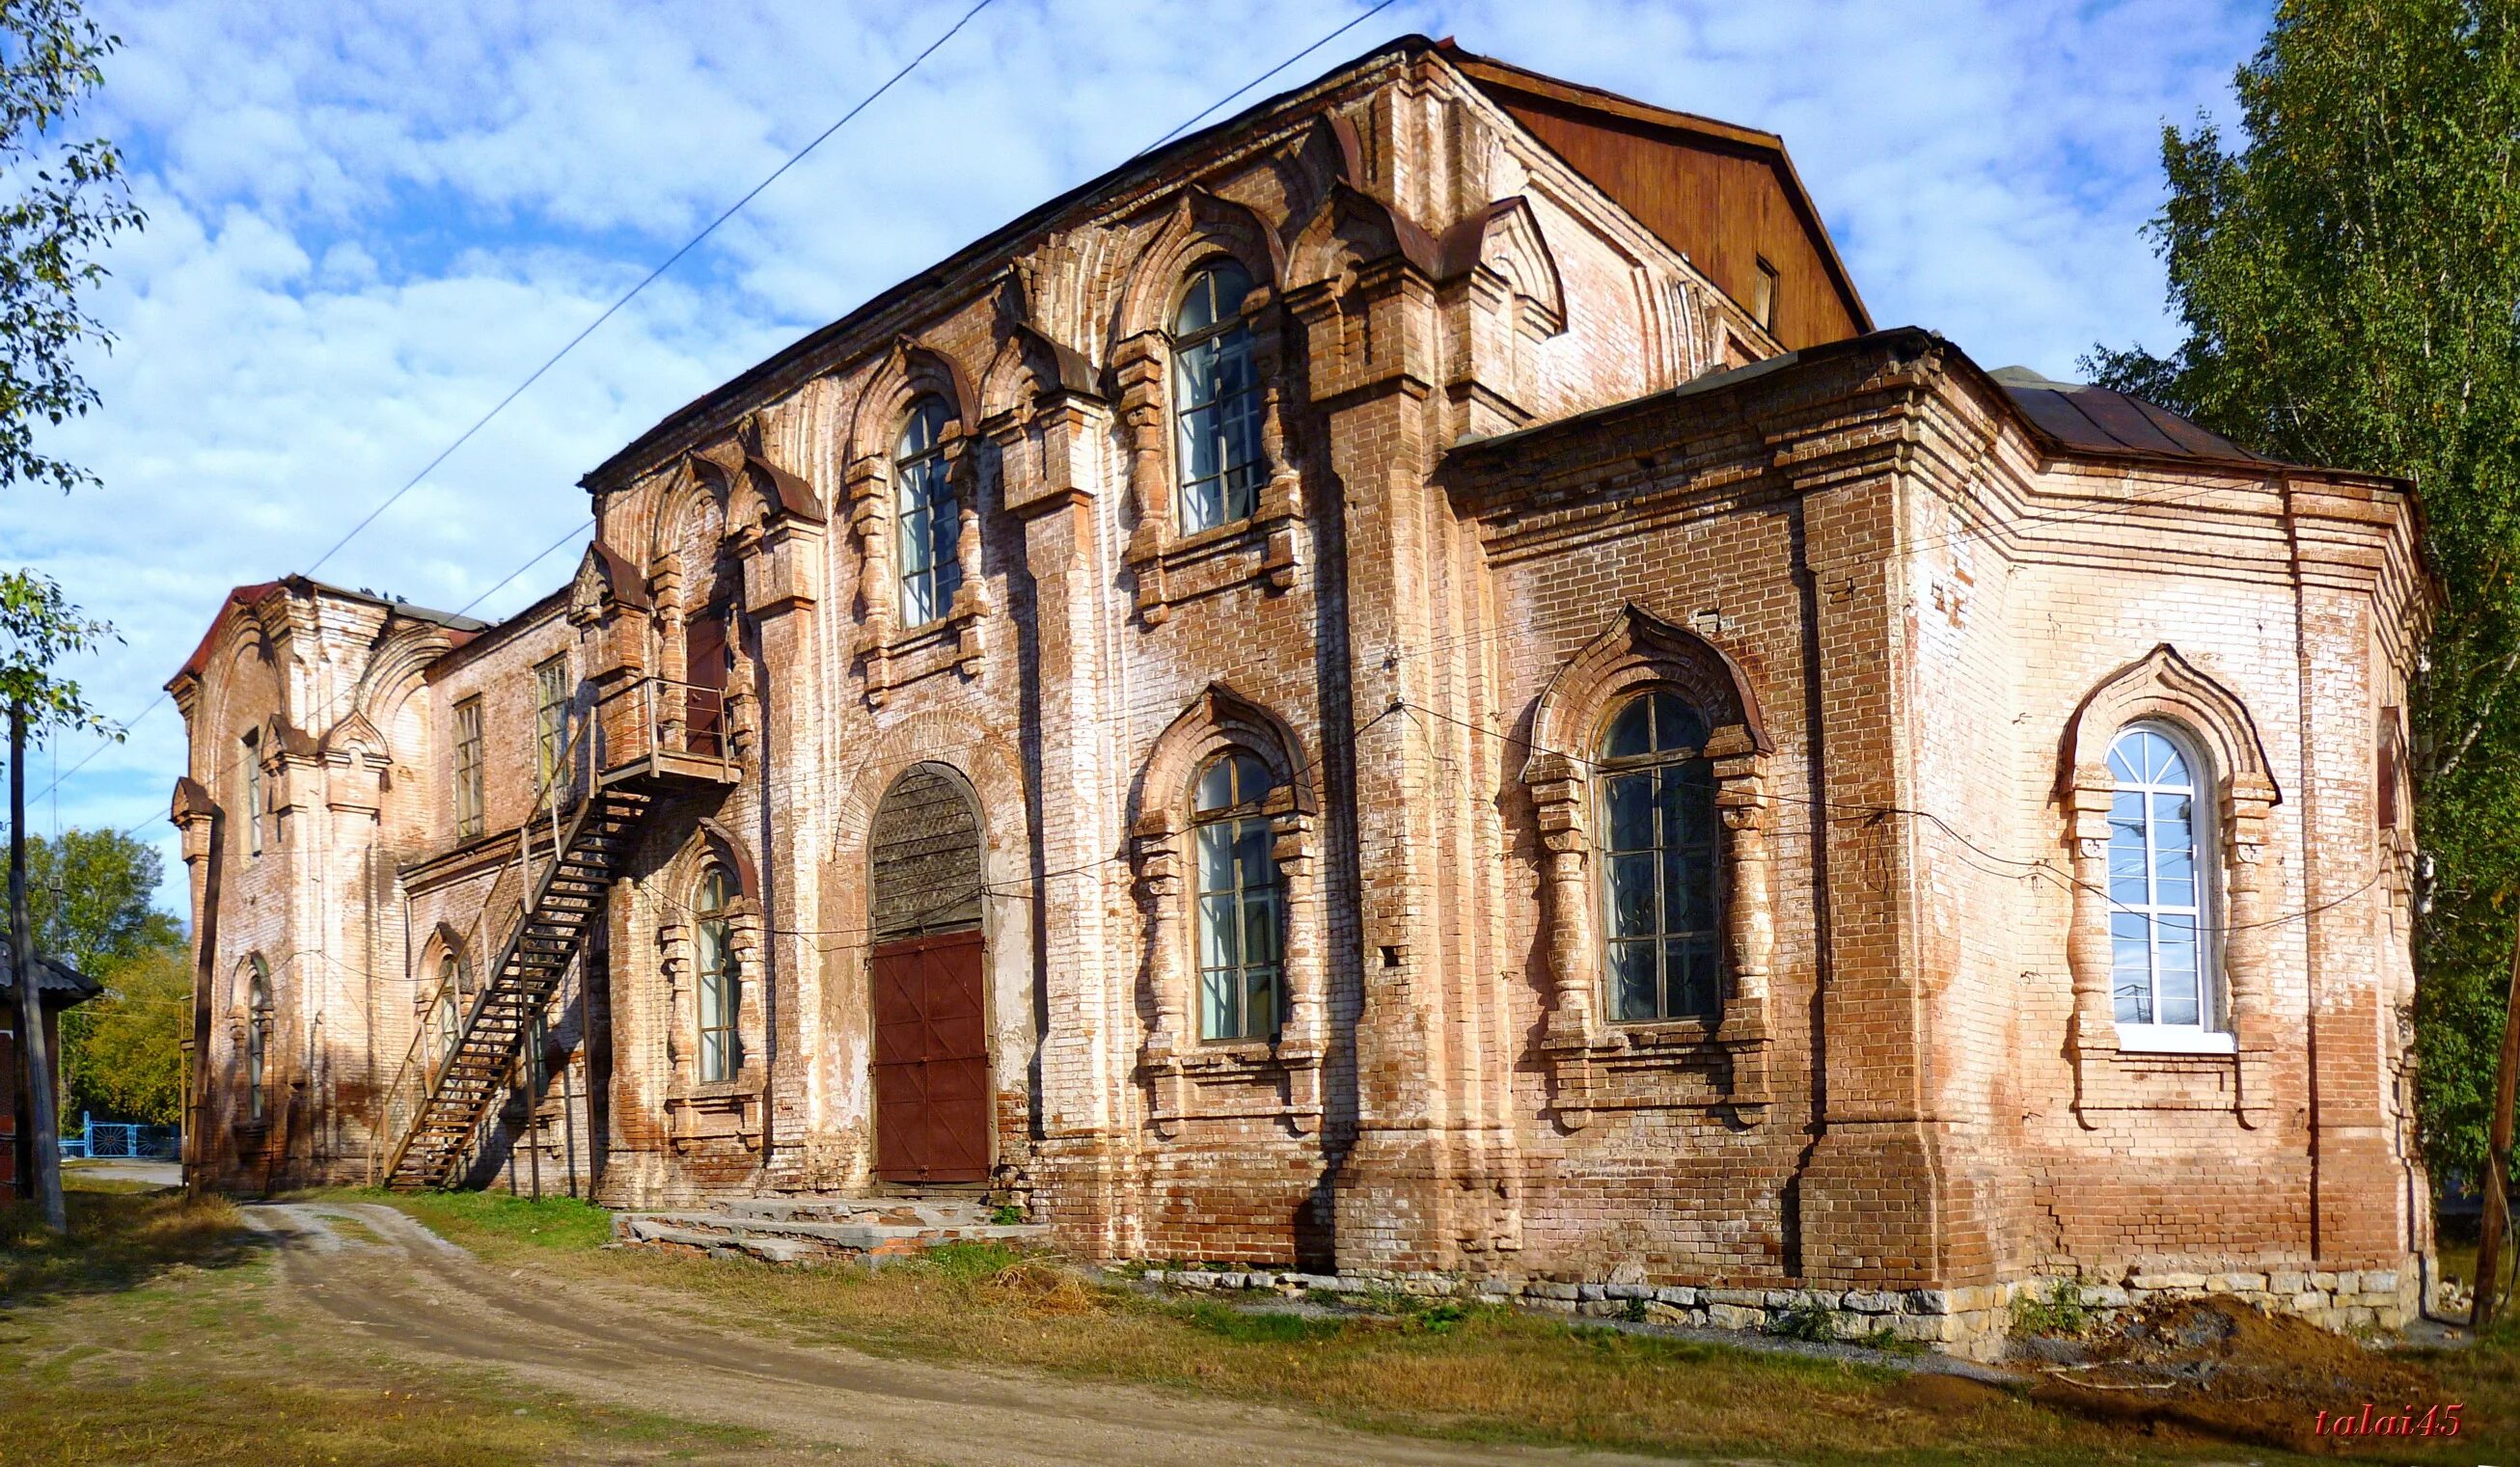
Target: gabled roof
x=241, y=595
x=2076, y=421
x=1726, y=195
x=1778, y=215
x=254, y=595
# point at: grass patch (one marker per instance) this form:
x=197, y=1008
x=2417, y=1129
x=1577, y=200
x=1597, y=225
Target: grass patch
x=249, y=1419
x=1447, y=1367
x=73, y=1180
x=137, y=1339
x=968, y=1263
x=1809, y=1323
x=497, y=1219
x=118, y=1239
x=1261, y=1326
x=355, y=1230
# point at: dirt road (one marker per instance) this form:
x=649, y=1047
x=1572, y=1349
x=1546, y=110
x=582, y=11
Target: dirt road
x=412, y=1293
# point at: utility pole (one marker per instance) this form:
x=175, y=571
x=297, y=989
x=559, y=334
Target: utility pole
x=30, y=1004
x=2497, y=1157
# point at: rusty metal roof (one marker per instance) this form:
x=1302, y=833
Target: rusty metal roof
x=2098, y=420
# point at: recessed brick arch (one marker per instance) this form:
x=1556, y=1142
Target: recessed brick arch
x=1200, y=226
x=445, y=942
x=1638, y=650
x=924, y=855
x=987, y=760
x=2242, y=795
x=1221, y=718
x=910, y=371
x=2162, y=683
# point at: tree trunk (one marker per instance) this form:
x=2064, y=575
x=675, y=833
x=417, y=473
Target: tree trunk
x=38, y=1117
x=2497, y=1158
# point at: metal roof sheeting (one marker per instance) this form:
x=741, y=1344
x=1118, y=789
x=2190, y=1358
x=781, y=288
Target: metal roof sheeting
x=52, y=977
x=2099, y=420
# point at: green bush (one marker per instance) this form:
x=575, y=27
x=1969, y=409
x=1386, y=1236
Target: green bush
x=2062, y=1312
x=967, y=1262
x=1810, y=1323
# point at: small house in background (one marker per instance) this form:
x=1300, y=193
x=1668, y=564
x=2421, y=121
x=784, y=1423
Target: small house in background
x=61, y=987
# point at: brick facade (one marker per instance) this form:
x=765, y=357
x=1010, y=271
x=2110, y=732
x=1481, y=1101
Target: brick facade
x=1511, y=475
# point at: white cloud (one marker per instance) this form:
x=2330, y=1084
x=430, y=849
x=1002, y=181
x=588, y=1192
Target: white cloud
x=368, y=222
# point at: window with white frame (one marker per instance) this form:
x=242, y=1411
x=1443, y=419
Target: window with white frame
x=1659, y=858
x=927, y=518
x=2160, y=897
x=1240, y=899
x=1216, y=401
x=720, y=981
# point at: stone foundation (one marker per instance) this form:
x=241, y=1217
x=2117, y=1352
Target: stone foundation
x=1974, y=1324
x=783, y=1230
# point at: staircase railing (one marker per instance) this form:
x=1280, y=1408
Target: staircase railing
x=663, y=716
x=640, y=718
x=406, y=1096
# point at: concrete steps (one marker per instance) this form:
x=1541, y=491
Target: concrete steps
x=814, y=1229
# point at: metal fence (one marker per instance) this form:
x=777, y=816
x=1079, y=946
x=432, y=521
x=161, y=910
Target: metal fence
x=104, y=1140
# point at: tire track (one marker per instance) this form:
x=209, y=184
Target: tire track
x=412, y=1292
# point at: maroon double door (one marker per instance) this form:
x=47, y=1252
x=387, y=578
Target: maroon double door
x=932, y=1060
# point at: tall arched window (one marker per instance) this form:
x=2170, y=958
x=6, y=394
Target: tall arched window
x=257, y=1035
x=720, y=982
x=447, y=1016
x=1216, y=401
x=252, y=760
x=926, y=517
x=2158, y=896
x=1240, y=900
x=1660, y=856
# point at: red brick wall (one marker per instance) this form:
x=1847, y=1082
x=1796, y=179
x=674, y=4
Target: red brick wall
x=1914, y=594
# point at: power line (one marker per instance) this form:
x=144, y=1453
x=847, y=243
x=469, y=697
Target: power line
x=334, y=705
x=1213, y=107
x=650, y=278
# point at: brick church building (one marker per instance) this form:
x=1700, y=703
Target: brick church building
x=1404, y=685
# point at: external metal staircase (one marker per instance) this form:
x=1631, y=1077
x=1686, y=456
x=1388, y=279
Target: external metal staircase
x=443, y=1104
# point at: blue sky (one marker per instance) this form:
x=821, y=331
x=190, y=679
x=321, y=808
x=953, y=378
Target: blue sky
x=368, y=223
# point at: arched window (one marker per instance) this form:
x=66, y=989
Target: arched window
x=720, y=982
x=2158, y=896
x=257, y=1035
x=253, y=759
x=1239, y=898
x=1660, y=856
x=1216, y=401
x=926, y=519
x=448, y=1016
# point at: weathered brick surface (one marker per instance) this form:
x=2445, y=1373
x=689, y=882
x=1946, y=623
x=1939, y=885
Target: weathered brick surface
x=1907, y=600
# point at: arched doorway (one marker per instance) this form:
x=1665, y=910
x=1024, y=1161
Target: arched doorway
x=932, y=1049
